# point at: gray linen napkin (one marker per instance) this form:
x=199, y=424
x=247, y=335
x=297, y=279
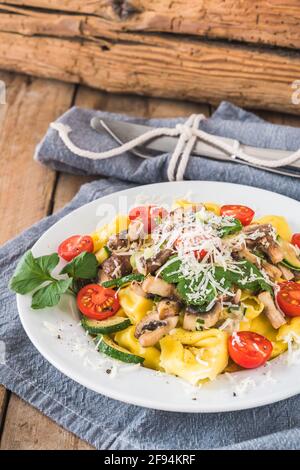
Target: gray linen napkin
x=227, y=121
x=87, y=414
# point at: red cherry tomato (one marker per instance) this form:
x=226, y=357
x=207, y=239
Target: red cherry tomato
x=288, y=298
x=249, y=349
x=199, y=254
x=97, y=302
x=296, y=239
x=75, y=245
x=151, y=216
x=243, y=213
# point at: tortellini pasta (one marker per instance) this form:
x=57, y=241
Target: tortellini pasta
x=135, y=306
x=194, y=356
x=280, y=223
x=127, y=340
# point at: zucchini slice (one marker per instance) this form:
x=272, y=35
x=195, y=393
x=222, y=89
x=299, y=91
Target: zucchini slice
x=111, y=325
x=102, y=254
x=107, y=346
x=291, y=260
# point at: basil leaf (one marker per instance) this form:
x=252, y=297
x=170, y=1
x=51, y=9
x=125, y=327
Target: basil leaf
x=171, y=273
x=226, y=230
x=31, y=272
x=250, y=278
x=84, y=266
x=187, y=287
x=50, y=295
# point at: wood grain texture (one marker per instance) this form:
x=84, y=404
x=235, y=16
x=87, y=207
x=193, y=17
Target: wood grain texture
x=95, y=51
x=260, y=21
x=25, y=197
x=27, y=429
x=26, y=188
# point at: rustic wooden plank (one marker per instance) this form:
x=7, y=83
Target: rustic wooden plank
x=260, y=21
x=27, y=429
x=4, y=395
x=160, y=66
x=26, y=187
x=31, y=105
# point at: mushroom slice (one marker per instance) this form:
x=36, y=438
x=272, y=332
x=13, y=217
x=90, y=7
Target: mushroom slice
x=277, y=319
x=151, y=329
x=204, y=320
x=135, y=230
x=168, y=308
x=137, y=288
x=248, y=256
x=272, y=271
x=263, y=237
x=153, y=264
x=156, y=286
x=287, y=274
x=103, y=276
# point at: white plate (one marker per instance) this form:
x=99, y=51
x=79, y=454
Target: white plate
x=74, y=355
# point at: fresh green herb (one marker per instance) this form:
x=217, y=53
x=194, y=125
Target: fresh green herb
x=50, y=295
x=35, y=275
x=250, y=278
x=186, y=288
x=226, y=230
x=84, y=266
x=121, y=281
x=33, y=272
x=171, y=273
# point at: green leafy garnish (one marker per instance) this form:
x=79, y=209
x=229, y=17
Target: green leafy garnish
x=250, y=278
x=84, y=266
x=32, y=272
x=35, y=275
x=171, y=273
x=226, y=230
x=50, y=295
x=187, y=287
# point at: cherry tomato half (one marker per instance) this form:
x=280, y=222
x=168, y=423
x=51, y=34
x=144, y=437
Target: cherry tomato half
x=199, y=254
x=75, y=245
x=296, y=239
x=97, y=302
x=151, y=216
x=249, y=349
x=243, y=213
x=288, y=298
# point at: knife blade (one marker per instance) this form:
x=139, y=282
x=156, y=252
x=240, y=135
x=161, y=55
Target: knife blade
x=124, y=131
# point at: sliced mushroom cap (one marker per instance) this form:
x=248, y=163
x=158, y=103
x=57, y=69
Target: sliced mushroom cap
x=247, y=255
x=156, y=286
x=118, y=241
x=192, y=321
x=262, y=236
x=153, y=264
x=272, y=271
x=137, y=289
x=135, y=230
x=277, y=319
x=236, y=299
x=151, y=329
x=103, y=277
x=168, y=308
x=117, y=266
x=287, y=274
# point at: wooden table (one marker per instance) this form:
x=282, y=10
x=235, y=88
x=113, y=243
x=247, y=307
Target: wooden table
x=29, y=192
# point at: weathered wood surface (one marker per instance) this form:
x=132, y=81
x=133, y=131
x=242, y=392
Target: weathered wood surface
x=260, y=21
x=99, y=51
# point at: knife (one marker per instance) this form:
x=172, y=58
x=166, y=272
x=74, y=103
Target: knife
x=123, y=132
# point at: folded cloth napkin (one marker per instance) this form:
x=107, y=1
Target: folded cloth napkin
x=106, y=423
x=227, y=121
